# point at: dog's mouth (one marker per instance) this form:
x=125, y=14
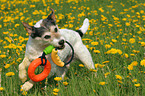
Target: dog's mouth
x=61, y=47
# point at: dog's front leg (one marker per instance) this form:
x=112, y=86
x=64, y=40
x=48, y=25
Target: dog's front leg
x=84, y=55
x=22, y=69
x=28, y=85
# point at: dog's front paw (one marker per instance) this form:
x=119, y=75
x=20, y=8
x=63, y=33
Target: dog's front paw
x=22, y=75
x=27, y=85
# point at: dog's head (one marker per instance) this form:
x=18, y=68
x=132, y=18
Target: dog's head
x=46, y=31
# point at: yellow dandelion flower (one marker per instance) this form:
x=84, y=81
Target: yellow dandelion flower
x=71, y=25
x=15, y=35
x=96, y=51
x=123, y=39
x=139, y=32
x=114, y=10
x=127, y=76
x=101, y=9
x=107, y=46
x=106, y=62
x=93, y=70
x=137, y=26
x=27, y=34
x=142, y=11
x=65, y=83
x=106, y=74
x=110, y=25
x=134, y=63
x=6, y=32
x=124, y=19
x=131, y=40
x=125, y=9
x=119, y=51
x=134, y=80
x=81, y=65
x=96, y=65
x=75, y=73
x=19, y=59
x=57, y=78
x=87, y=46
x=1, y=88
x=94, y=43
x=26, y=39
x=31, y=6
x=119, y=81
x=129, y=73
x=21, y=90
x=127, y=24
x=55, y=93
x=31, y=23
x=10, y=74
x=143, y=44
x=132, y=54
x=2, y=56
x=135, y=51
x=7, y=66
x=137, y=85
x=118, y=77
x=115, y=18
x=142, y=63
x=130, y=67
x=112, y=51
x=101, y=66
x=91, y=33
x=94, y=90
x=114, y=40
x=56, y=90
x=128, y=15
x=1, y=40
x=102, y=83
x=16, y=25
x=24, y=93
x=81, y=14
x=43, y=17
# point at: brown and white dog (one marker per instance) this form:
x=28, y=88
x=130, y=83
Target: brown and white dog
x=44, y=33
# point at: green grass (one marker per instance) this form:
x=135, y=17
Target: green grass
x=108, y=20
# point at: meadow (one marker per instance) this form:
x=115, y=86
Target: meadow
x=115, y=38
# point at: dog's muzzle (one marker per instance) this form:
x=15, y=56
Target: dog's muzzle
x=61, y=43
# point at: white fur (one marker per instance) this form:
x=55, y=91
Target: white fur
x=85, y=26
x=35, y=48
x=38, y=24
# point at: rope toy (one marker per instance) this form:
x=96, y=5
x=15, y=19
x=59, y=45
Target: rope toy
x=47, y=66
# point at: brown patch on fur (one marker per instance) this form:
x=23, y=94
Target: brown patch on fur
x=55, y=34
x=53, y=15
x=28, y=28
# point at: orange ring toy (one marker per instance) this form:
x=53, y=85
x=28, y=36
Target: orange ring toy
x=34, y=65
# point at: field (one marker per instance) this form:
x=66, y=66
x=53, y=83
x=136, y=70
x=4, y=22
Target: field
x=115, y=38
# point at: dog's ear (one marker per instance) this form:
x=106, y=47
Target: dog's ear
x=28, y=28
x=52, y=15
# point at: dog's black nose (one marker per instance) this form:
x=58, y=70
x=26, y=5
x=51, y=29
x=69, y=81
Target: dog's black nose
x=61, y=42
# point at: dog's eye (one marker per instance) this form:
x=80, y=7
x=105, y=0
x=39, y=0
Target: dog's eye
x=47, y=37
x=55, y=29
